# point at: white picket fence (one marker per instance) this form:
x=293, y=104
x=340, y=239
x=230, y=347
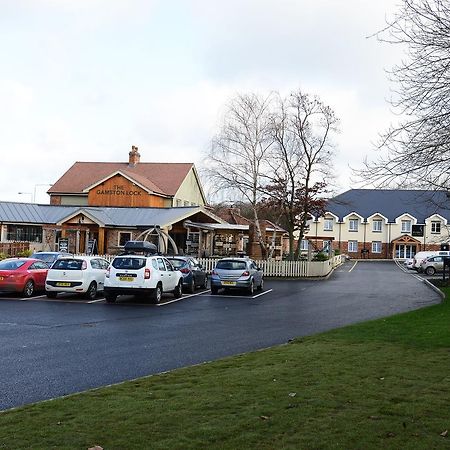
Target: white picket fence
x=282, y=269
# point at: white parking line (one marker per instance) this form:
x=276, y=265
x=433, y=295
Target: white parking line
x=263, y=293
x=354, y=265
x=182, y=298
x=96, y=301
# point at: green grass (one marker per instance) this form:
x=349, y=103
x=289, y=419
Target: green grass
x=380, y=384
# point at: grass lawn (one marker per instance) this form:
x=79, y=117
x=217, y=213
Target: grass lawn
x=381, y=384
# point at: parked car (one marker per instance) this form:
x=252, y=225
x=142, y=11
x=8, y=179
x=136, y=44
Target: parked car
x=194, y=275
x=142, y=273
x=25, y=275
x=49, y=257
x=420, y=257
x=432, y=264
x=408, y=263
x=78, y=274
x=236, y=273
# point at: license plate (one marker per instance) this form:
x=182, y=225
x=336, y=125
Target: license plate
x=126, y=278
x=63, y=284
x=229, y=283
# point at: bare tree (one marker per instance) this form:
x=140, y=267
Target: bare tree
x=237, y=161
x=302, y=128
x=417, y=149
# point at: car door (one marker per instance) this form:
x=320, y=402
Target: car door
x=98, y=272
x=39, y=273
x=164, y=275
x=172, y=275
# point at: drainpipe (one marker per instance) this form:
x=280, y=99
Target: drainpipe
x=340, y=235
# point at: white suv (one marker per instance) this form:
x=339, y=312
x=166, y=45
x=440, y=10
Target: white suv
x=142, y=275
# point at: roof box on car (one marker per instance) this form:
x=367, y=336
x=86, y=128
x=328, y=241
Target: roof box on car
x=141, y=247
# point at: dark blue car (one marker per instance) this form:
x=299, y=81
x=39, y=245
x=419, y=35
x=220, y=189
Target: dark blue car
x=194, y=275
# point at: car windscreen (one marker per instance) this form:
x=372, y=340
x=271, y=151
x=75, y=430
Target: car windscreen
x=177, y=263
x=68, y=264
x=46, y=257
x=11, y=265
x=231, y=265
x=129, y=263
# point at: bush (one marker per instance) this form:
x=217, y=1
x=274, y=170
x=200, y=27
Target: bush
x=24, y=254
x=320, y=257
x=3, y=256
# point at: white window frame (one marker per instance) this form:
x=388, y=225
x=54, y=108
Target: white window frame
x=328, y=224
x=353, y=224
x=304, y=245
x=436, y=227
x=377, y=246
x=379, y=227
x=406, y=226
x=352, y=246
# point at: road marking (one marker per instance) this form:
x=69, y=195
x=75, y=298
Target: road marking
x=356, y=262
x=182, y=298
x=263, y=293
x=95, y=301
x=243, y=296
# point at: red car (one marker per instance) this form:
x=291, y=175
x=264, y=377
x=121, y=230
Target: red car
x=25, y=275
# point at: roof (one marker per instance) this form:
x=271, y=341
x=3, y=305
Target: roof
x=30, y=213
x=391, y=203
x=162, y=178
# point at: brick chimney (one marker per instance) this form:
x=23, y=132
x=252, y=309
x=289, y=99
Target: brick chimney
x=134, y=156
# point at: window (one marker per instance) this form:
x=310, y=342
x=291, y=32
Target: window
x=26, y=233
x=436, y=227
x=178, y=203
x=186, y=203
x=377, y=226
x=161, y=265
x=353, y=225
x=328, y=225
x=304, y=245
x=352, y=246
x=124, y=237
x=376, y=247
x=406, y=226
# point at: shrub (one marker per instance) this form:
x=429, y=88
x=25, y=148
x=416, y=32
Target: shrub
x=320, y=257
x=24, y=254
x=3, y=256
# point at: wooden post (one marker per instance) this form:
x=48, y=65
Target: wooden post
x=101, y=241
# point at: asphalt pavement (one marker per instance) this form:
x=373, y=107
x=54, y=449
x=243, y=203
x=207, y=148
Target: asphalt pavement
x=54, y=348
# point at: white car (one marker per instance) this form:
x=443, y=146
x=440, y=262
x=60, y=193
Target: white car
x=78, y=274
x=143, y=275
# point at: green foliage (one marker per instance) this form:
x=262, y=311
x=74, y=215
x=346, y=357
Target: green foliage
x=3, y=256
x=24, y=254
x=320, y=257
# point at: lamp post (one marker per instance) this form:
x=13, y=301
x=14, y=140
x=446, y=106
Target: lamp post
x=35, y=186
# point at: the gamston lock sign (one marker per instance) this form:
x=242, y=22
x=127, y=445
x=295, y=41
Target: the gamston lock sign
x=118, y=190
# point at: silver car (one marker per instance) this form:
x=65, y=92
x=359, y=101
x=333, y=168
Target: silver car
x=432, y=264
x=237, y=273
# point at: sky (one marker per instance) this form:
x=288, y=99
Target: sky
x=84, y=80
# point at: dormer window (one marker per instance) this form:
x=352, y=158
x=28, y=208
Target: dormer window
x=328, y=225
x=353, y=225
x=436, y=227
x=406, y=226
x=377, y=225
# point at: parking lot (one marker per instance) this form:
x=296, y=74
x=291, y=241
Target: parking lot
x=53, y=347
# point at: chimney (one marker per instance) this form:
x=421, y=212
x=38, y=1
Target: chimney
x=134, y=156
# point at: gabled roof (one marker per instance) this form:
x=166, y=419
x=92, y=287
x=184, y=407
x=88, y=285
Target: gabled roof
x=391, y=203
x=162, y=178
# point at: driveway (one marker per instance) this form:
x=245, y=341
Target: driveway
x=53, y=348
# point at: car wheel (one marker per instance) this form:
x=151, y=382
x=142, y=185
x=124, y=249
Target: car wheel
x=261, y=285
x=110, y=298
x=214, y=290
x=191, y=287
x=91, y=292
x=157, y=294
x=51, y=294
x=251, y=288
x=178, y=291
x=430, y=270
x=205, y=282
x=28, y=289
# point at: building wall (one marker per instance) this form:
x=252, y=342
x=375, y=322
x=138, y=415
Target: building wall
x=365, y=233
x=189, y=192
x=119, y=191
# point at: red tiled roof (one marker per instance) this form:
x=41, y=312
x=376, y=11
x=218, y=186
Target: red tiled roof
x=163, y=178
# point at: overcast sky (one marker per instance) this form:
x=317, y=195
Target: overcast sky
x=84, y=80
